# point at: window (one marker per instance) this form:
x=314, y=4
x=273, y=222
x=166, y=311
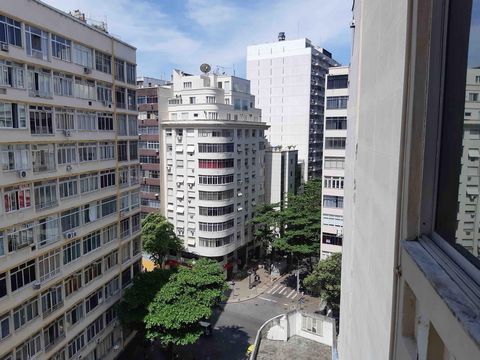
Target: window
x=151, y=145
x=13, y=116
x=22, y=275
x=75, y=314
x=49, y=264
x=335, y=143
x=215, y=133
x=84, y=89
x=215, y=163
x=337, y=82
x=132, y=125
x=215, y=211
x=20, y=236
x=68, y=187
x=88, y=182
x=337, y=102
x=333, y=163
x=107, y=150
x=187, y=85
x=53, y=332
x=119, y=70
x=87, y=152
x=107, y=178
x=91, y=242
x=76, y=345
x=131, y=102
x=212, y=227
x=137, y=242
x=333, y=182
x=126, y=277
x=3, y=285
x=124, y=228
x=215, y=148
x=10, y=31
x=312, y=324
x=109, y=233
x=215, y=242
x=112, y=287
x=104, y=93
x=16, y=198
x=92, y=301
x=92, y=271
x=73, y=283
x=122, y=151
x=67, y=154
x=14, y=157
x=4, y=326
x=103, y=62
x=25, y=313
x=95, y=328
x=37, y=42
x=105, y=121
x=41, y=120
x=86, y=120
x=64, y=119
x=457, y=193
x=52, y=299
x=216, y=195
x=133, y=147
x=39, y=82
x=61, y=48
x=110, y=260
x=134, y=202
x=131, y=73
x=70, y=219
x=71, y=252
x=62, y=84
x=45, y=194
x=29, y=348
x=120, y=97
x=48, y=230
x=332, y=201
x=336, y=123
x=43, y=157
x=11, y=73
x=109, y=206
x=82, y=55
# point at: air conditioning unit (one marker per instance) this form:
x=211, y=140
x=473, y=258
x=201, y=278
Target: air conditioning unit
x=67, y=132
x=169, y=168
x=22, y=174
x=340, y=232
x=33, y=247
x=87, y=70
x=69, y=168
x=69, y=235
x=37, y=285
x=4, y=47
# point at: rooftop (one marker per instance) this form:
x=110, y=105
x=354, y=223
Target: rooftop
x=296, y=347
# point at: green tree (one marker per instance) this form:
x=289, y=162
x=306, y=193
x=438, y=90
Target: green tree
x=325, y=280
x=158, y=238
x=189, y=297
x=300, y=222
x=133, y=307
x=265, y=225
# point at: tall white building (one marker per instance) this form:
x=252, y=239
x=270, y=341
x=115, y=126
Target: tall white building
x=335, y=135
x=280, y=174
x=287, y=79
x=212, y=153
x=69, y=179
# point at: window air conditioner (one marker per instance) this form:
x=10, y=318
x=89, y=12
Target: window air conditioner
x=87, y=70
x=67, y=132
x=69, y=235
x=22, y=174
x=37, y=285
x=4, y=47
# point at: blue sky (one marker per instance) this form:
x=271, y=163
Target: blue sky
x=183, y=34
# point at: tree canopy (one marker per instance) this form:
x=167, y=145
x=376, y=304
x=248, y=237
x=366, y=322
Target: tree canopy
x=189, y=297
x=265, y=224
x=133, y=307
x=159, y=238
x=325, y=280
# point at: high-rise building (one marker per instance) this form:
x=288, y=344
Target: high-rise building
x=410, y=276
x=152, y=99
x=288, y=81
x=335, y=136
x=70, y=211
x=280, y=174
x=213, y=147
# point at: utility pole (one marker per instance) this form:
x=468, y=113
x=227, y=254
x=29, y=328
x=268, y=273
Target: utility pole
x=298, y=280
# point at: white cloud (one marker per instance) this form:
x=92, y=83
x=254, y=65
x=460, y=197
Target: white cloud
x=214, y=31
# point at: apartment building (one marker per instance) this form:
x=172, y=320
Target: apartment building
x=288, y=81
x=213, y=148
x=410, y=276
x=152, y=99
x=69, y=178
x=281, y=174
x=335, y=136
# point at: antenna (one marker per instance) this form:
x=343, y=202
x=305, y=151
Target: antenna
x=205, y=68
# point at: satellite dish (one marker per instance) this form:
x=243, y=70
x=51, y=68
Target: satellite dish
x=205, y=68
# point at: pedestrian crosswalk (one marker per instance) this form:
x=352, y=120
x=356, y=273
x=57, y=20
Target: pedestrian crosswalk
x=282, y=290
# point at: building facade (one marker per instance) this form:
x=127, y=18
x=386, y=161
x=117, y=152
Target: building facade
x=410, y=285
x=152, y=99
x=288, y=81
x=213, y=148
x=70, y=214
x=281, y=177
x=335, y=136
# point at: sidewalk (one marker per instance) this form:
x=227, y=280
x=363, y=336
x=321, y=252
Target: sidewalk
x=241, y=292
